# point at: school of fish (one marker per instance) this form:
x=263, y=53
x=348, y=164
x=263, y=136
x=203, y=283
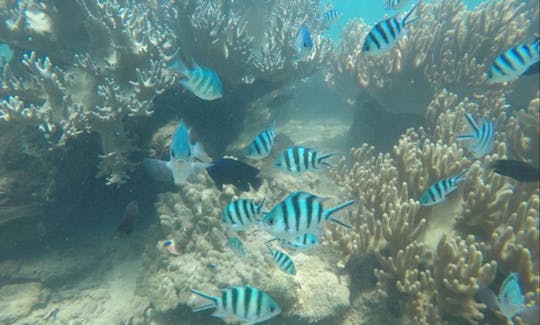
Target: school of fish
x=296, y=222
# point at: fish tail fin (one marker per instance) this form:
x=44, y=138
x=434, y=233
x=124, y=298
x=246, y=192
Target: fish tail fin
x=157, y=169
x=271, y=240
x=409, y=17
x=198, y=153
x=214, y=303
x=180, y=67
x=328, y=213
x=461, y=176
x=322, y=159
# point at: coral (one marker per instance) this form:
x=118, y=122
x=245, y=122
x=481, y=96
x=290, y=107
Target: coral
x=459, y=269
x=449, y=47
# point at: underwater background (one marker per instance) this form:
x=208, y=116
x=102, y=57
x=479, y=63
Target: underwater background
x=152, y=148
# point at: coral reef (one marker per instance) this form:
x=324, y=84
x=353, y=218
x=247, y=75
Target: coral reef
x=449, y=48
x=121, y=51
x=420, y=254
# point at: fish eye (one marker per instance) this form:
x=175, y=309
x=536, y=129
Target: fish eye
x=272, y=309
x=271, y=222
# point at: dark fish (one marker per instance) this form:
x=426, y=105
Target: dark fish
x=128, y=220
x=518, y=170
x=234, y=172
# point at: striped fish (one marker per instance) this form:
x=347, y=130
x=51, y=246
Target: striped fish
x=241, y=214
x=437, y=192
x=282, y=260
x=262, y=143
x=237, y=246
x=330, y=15
x=385, y=34
x=481, y=140
x=301, y=243
x=202, y=82
x=298, y=214
x=301, y=159
x=515, y=62
x=244, y=303
x=395, y=4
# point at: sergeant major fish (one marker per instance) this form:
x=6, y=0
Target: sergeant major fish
x=185, y=159
x=303, y=43
x=385, y=34
x=301, y=243
x=300, y=159
x=262, y=143
x=515, y=61
x=298, y=214
x=481, y=140
x=244, y=303
x=241, y=214
x=437, y=192
x=202, y=82
x=330, y=15
x=282, y=260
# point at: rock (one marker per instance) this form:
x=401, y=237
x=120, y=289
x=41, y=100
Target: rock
x=18, y=300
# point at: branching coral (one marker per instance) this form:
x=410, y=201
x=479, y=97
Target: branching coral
x=449, y=47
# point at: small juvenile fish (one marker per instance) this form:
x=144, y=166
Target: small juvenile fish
x=385, y=34
x=131, y=213
x=237, y=246
x=395, y=4
x=232, y=171
x=303, y=43
x=515, y=61
x=245, y=304
x=241, y=214
x=300, y=159
x=282, y=260
x=262, y=143
x=437, y=192
x=302, y=243
x=170, y=245
x=331, y=15
x=185, y=159
x=298, y=214
x=202, y=82
x=518, y=170
x=481, y=140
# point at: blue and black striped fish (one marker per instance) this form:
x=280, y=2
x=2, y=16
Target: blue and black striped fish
x=481, y=140
x=298, y=214
x=516, y=61
x=202, y=82
x=301, y=159
x=241, y=214
x=330, y=15
x=245, y=304
x=237, y=246
x=437, y=192
x=262, y=143
x=282, y=260
x=385, y=34
x=395, y=4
